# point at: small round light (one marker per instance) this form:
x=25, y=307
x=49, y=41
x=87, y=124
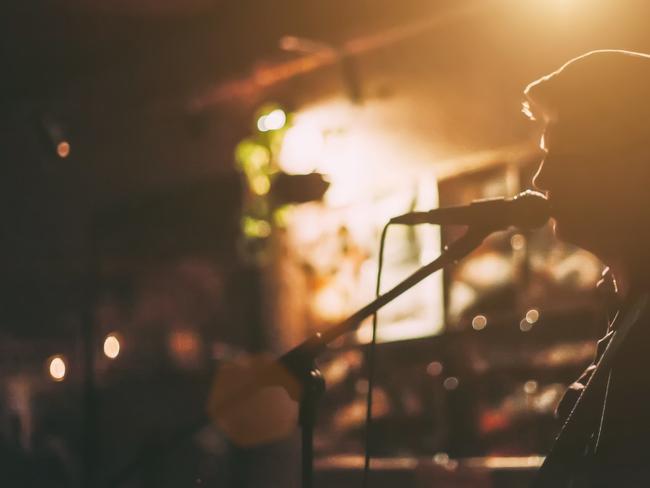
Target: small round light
x=261, y=124
x=57, y=368
x=532, y=316
x=479, y=322
x=530, y=387
x=434, y=368
x=450, y=383
x=63, y=149
x=111, y=346
x=525, y=326
x=275, y=120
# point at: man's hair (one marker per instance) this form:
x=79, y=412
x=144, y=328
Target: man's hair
x=602, y=93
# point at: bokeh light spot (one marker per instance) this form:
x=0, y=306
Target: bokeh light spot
x=479, y=322
x=111, y=346
x=63, y=149
x=57, y=368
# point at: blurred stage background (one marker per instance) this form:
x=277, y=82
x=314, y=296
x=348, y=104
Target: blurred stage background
x=186, y=182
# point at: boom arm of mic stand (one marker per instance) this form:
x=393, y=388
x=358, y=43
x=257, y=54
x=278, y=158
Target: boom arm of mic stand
x=300, y=361
x=301, y=358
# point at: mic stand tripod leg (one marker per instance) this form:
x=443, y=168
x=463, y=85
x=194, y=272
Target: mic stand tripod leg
x=313, y=385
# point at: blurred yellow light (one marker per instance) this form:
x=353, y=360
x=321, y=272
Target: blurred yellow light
x=255, y=227
x=63, y=149
x=260, y=185
x=57, y=368
x=111, y=346
x=259, y=157
x=525, y=326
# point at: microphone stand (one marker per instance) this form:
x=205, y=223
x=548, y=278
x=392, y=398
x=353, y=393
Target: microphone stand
x=301, y=360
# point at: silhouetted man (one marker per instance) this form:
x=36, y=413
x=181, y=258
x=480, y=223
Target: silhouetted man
x=596, y=114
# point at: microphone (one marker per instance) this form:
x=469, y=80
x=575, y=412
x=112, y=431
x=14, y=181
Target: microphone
x=528, y=210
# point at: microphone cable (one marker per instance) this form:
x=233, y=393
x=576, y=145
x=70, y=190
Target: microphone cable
x=371, y=361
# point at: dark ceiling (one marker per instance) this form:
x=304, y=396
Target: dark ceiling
x=52, y=49
x=118, y=75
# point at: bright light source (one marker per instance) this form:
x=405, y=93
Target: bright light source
x=261, y=124
x=302, y=149
x=111, y=346
x=274, y=120
x=356, y=149
x=57, y=368
x=63, y=149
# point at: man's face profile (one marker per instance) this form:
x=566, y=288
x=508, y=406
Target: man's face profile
x=566, y=175
x=594, y=191
x=595, y=166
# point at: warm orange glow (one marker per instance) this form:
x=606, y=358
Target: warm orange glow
x=111, y=346
x=63, y=149
x=330, y=303
x=184, y=341
x=486, y=270
x=302, y=149
x=356, y=149
x=434, y=368
x=184, y=347
x=251, y=400
x=57, y=368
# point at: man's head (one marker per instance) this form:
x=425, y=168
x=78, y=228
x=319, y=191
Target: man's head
x=596, y=114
